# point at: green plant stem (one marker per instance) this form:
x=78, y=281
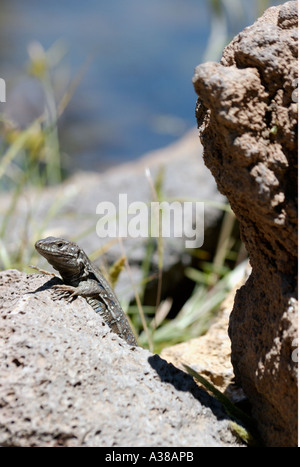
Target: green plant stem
x=231, y=409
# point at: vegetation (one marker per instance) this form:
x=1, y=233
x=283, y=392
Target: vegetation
x=31, y=159
x=242, y=425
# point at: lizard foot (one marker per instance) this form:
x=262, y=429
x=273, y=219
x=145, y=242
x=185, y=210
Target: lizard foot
x=63, y=290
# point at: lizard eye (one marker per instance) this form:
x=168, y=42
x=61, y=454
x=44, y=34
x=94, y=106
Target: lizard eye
x=60, y=245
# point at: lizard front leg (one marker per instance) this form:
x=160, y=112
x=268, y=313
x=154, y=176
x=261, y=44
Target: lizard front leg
x=84, y=289
x=87, y=289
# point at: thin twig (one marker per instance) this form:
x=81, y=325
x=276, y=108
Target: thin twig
x=137, y=298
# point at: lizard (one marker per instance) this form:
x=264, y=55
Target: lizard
x=81, y=278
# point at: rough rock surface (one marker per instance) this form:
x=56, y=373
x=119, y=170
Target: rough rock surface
x=67, y=380
x=247, y=116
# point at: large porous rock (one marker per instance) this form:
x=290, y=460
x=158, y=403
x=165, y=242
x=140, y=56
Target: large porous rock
x=67, y=380
x=247, y=116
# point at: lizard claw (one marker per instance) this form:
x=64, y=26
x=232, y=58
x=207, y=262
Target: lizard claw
x=63, y=290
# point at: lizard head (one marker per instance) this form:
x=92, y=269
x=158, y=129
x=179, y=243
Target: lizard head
x=63, y=255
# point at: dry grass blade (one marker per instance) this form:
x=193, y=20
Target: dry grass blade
x=137, y=298
x=231, y=409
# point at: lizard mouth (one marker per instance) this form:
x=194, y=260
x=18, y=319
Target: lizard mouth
x=54, y=247
x=41, y=247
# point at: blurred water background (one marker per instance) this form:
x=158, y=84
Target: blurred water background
x=133, y=60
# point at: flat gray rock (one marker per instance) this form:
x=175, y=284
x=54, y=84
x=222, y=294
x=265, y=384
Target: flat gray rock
x=67, y=380
x=69, y=209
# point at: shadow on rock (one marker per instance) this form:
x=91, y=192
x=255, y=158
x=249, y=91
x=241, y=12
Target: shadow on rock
x=181, y=381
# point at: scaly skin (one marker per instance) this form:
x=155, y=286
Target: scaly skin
x=81, y=278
